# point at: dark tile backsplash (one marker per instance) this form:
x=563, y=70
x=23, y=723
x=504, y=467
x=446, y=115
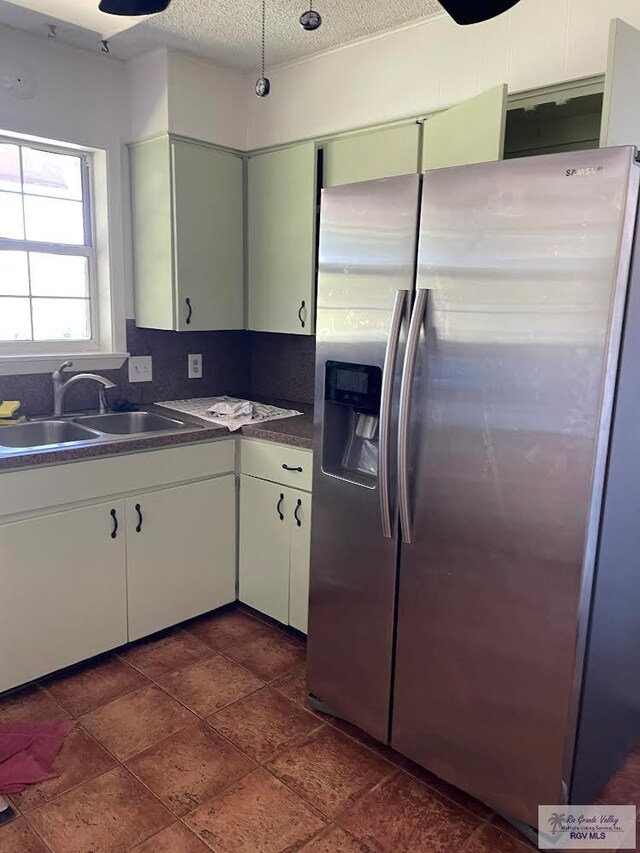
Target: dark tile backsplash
x=226, y=370
x=237, y=363
x=283, y=366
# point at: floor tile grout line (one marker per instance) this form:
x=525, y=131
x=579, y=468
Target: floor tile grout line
x=211, y=654
x=40, y=838
x=102, y=705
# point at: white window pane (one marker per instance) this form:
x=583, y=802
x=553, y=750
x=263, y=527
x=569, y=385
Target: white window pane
x=11, y=224
x=45, y=173
x=58, y=275
x=61, y=319
x=9, y=167
x=14, y=274
x=15, y=319
x=51, y=220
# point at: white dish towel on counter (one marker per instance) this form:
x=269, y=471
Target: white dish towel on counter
x=229, y=411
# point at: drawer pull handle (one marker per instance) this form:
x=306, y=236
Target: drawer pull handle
x=300, y=310
x=190, y=311
x=295, y=513
x=279, y=505
x=140, y=519
x=289, y=468
x=114, y=516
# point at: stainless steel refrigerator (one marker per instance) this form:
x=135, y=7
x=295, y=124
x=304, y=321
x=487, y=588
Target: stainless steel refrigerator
x=475, y=572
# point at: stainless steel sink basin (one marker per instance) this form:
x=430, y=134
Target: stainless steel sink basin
x=44, y=433
x=132, y=423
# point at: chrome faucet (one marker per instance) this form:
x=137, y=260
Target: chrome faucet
x=60, y=387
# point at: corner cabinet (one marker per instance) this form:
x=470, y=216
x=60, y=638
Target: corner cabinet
x=275, y=532
x=187, y=207
x=281, y=240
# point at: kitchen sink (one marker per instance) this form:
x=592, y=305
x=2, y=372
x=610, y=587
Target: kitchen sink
x=44, y=433
x=132, y=423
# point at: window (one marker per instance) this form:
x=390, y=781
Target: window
x=47, y=258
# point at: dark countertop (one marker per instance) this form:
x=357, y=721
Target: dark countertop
x=296, y=432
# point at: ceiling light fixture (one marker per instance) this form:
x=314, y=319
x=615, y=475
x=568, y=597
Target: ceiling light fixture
x=475, y=11
x=310, y=20
x=133, y=8
x=263, y=85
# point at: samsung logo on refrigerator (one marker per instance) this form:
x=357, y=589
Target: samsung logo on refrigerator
x=584, y=171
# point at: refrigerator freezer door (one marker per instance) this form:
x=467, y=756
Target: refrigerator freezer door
x=368, y=238
x=526, y=266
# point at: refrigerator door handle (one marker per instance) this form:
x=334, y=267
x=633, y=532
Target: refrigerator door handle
x=386, y=396
x=406, y=393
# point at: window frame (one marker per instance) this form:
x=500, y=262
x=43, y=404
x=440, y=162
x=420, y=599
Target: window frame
x=87, y=250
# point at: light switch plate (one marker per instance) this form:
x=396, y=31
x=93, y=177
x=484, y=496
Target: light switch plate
x=140, y=368
x=195, y=365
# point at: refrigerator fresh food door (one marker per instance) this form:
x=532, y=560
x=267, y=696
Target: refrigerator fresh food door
x=525, y=267
x=368, y=238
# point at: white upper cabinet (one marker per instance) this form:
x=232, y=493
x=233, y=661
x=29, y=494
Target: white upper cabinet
x=470, y=132
x=282, y=240
x=621, y=107
x=187, y=202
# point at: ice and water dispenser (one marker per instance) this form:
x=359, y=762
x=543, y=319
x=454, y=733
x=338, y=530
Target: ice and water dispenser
x=351, y=422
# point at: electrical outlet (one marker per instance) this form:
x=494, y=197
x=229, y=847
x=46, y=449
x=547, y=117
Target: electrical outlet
x=195, y=366
x=140, y=368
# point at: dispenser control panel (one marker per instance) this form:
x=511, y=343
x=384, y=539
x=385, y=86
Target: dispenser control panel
x=355, y=385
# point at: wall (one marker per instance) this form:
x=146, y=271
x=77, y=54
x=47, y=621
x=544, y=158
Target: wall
x=282, y=366
x=433, y=64
x=80, y=98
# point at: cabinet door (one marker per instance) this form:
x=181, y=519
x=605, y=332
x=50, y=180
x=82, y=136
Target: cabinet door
x=381, y=154
x=151, y=226
x=63, y=595
x=281, y=240
x=620, y=110
x=470, y=132
x=265, y=513
x=181, y=553
x=208, y=242
x=300, y=556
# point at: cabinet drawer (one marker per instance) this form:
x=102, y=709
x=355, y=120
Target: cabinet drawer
x=290, y=466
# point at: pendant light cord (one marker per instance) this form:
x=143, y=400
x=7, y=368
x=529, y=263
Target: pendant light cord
x=264, y=18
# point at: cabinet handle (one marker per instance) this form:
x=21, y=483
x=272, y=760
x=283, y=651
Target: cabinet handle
x=295, y=513
x=140, y=519
x=289, y=468
x=300, y=310
x=189, y=311
x=278, y=507
x=114, y=532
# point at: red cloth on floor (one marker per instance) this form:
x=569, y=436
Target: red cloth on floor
x=27, y=752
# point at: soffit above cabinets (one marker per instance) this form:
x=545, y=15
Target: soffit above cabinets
x=227, y=31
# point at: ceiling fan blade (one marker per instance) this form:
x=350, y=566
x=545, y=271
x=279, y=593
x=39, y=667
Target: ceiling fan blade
x=475, y=11
x=132, y=8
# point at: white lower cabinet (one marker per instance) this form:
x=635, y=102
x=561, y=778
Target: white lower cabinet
x=300, y=556
x=264, y=547
x=181, y=553
x=275, y=536
x=63, y=594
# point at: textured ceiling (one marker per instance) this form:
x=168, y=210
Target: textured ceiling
x=228, y=31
